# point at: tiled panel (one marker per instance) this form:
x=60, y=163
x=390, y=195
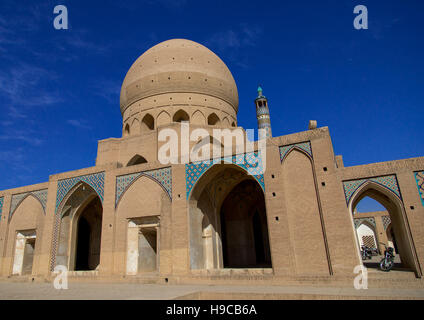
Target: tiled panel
x=359, y=221
x=96, y=181
x=162, y=176
x=41, y=195
x=305, y=146
x=247, y=161
x=1, y=206
x=389, y=182
x=386, y=221
x=419, y=178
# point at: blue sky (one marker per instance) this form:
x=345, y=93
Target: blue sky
x=59, y=89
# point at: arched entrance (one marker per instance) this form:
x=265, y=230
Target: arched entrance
x=88, y=235
x=400, y=225
x=80, y=230
x=228, y=222
x=244, y=227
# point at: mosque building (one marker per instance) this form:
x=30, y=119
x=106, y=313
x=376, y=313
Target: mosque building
x=289, y=215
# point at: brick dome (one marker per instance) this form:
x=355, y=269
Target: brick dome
x=178, y=66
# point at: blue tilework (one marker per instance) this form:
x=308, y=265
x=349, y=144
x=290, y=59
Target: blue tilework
x=162, y=176
x=1, y=206
x=419, y=178
x=389, y=182
x=96, y=181
x=386, y=221
x=250, y=162
x=305, y=146
x=41, y=195
x=359, y=221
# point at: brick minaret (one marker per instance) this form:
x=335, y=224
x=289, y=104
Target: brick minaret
x=262, y=113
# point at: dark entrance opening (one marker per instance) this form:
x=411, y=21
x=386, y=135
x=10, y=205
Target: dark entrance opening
x=89, y=228
x=83, y=245
x=244, y=230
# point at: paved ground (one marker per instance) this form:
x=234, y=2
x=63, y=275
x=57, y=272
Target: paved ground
x=127, y=291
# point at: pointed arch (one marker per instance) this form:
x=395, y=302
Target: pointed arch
x=137, y=159
x=30, y=194
x=400, y=224
x=27, y=220
x=67, y=216
x=148, y=123
x=180, y=116
x=226, y=193
x=304, y=147
x=226, y=122
x=121, y=195
x=135, y=126
x=13, y=210
x=304, y=214
x=143, y=210
x=198, y=118
x=126, y=131
x=163, y=118
x=213, y=120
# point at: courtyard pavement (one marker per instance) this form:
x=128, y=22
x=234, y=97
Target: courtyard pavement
x=132, y=291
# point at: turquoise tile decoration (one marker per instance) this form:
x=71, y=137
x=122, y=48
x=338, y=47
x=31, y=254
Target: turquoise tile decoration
x=95, y=180
x=389, y=182
x=162, y=176
x=359, y=221
x=1, y=206
x=419, y=178
x=17, y=199
x=386, y=221
x=304, y=146
x=248, y=161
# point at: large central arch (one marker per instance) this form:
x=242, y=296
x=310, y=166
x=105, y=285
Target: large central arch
x=400, y=224
x=227, y=221
x=80, y=230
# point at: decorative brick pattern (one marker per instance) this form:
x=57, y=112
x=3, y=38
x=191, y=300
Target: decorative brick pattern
x=96, y=181
x=389, y=182
x=41, y=195
x=162, y=176
x=419, y=178
x=55, y=241
x=1, y=206
x=359, y=221
x=251, y=161
x=369, y=241
x=386, y=221
x=305, y=146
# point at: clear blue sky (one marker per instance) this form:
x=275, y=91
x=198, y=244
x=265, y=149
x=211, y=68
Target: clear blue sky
x=59, y=89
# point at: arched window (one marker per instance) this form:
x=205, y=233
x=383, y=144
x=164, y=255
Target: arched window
x=137, y=159
x=180, y=115
x=127, y=130
x=213, y=119
x=148, y=123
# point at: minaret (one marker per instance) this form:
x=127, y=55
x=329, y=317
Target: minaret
x=262, y=113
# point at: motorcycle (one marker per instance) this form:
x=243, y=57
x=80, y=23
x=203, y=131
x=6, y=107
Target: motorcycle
x=387, y=263
x=366, y=252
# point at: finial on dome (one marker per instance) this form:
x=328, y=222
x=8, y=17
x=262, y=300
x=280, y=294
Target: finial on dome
x=259, y=91
x=260, y=95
